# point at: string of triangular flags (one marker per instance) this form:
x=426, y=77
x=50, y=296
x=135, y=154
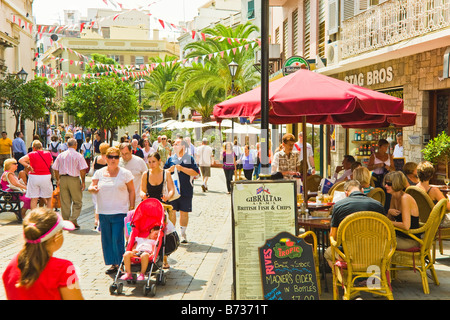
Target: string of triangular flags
x=128, y=71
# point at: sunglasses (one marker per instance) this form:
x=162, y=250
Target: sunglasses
x=388, y=183
x=113, y=157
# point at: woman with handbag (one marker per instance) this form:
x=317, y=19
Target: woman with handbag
x=9, y=182
x=157, y=183
x=40, y=177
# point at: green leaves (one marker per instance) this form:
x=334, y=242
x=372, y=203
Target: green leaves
x=437, y=149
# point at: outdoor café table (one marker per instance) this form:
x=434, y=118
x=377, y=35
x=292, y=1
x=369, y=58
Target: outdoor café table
x=444, y=189
x=321, y=227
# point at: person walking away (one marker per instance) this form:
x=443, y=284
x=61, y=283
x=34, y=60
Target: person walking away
x=134, y=164
x=49, y=134
x=80, y=137
x=205, y=159
x=87, y=151
x=6, y=151
x=238, y=152
x=228, y=164
x=70, y=172
x=19, y=148
x=34, y=273
x=53, y=146
x=115, y=192
x=39, y=183
x=187, y=168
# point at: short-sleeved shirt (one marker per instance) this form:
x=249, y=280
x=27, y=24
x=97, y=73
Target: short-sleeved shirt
x=5, y=146
x=204, y=153
x=282, y=162
x=355, y=202
x=41, y=162
x=187, y=161
x=163, y=152
x=137, y=167
x=70, y=163
x=58, y=273
x=113, y=196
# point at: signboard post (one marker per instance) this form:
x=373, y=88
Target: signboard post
x=260, y=210
x=288, y=270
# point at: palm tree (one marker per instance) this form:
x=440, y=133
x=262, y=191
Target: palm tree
x=214, y=72
x=160, y=82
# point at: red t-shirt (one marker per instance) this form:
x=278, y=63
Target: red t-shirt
x=57, y=274
x=41, y=162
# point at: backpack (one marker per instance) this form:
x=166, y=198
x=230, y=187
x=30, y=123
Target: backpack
x=54, y=149
x=87, y=152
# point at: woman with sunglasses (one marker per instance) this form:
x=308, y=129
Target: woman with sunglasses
x=115, y=192
x=403, y=211
x=9, y=182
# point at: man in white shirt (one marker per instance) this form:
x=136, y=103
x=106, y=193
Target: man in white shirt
x=347, y=167
x=134, y=164
x=398, y=149
x=205, y=159
x=309, y=153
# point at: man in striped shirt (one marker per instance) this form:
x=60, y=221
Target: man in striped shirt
x=70, y=172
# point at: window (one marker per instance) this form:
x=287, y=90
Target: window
x=251, y=9
x=285, y=38
x=295, y=32
x=307, y=29
x=139, y=60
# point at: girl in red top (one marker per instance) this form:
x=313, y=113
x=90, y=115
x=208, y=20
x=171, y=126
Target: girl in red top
x=34, y=274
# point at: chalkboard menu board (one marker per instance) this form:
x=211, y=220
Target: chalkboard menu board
x=260, y=210
x=399, y=163
x=287, y=269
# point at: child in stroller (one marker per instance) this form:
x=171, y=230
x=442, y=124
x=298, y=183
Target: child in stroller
x=143, y=248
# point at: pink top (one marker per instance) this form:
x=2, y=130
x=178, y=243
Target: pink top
x=40, y=161
x=70, y=162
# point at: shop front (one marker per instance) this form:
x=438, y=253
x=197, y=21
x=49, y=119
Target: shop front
x=417, y=79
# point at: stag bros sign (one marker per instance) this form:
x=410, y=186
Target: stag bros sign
x=287, y=269
x=378, y=76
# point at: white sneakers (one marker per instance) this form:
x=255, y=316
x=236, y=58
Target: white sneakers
x=183, y=235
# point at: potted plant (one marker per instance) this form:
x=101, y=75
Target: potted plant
x=437, y=151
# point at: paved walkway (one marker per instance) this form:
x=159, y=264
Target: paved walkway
x=200, y=270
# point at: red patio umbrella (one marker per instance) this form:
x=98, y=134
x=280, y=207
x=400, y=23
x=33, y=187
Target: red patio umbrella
x=310, y=97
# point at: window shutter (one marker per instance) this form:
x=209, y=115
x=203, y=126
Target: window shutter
x=347, y=9
x=333, y=16
x=361, y=6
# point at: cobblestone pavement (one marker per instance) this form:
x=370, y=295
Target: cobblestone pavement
x=200, y=270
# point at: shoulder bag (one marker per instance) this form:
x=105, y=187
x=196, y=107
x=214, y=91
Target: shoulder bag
x=176, y=188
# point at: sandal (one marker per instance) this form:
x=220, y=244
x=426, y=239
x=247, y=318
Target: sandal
x=112, y=269
x=166, y=265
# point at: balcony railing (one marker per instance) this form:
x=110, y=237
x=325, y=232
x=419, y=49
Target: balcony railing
x=392, y=22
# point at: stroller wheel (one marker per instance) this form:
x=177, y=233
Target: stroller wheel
x=161, y=279
x=150, y=290
x=112, y=288
x=120, y=288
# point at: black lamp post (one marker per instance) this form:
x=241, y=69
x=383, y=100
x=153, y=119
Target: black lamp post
x=232, y=66
x=139, y=85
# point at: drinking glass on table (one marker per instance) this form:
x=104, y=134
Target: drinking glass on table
x=447, y=181
x=300, y=198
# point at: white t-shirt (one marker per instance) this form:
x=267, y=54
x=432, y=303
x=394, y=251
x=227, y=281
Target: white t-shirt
x=204, y=153
x=112, y=197
x=144, y=244
x=398, y=151
x=137, y=166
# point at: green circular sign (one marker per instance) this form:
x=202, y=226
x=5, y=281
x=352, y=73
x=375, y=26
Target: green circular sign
x=293, y=64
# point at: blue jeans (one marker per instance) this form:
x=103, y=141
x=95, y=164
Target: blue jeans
x=113, y=237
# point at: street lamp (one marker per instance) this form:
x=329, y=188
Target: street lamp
x=232, y=66
x=139, y=85
x=22, y=75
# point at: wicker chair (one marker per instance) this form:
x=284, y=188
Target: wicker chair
x=377, y=194
x=420, y=258
x=367, y=239
x=425, y=205
x=313, y=183
x=336, y=187
x=305, y=236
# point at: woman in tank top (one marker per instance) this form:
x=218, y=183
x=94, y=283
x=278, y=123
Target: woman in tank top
x=381, y=162
x=152, y=183
x=403, y=210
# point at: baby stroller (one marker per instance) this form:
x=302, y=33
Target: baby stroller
x=148, y=214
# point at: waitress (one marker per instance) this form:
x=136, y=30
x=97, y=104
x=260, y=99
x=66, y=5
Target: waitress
x=381, y=163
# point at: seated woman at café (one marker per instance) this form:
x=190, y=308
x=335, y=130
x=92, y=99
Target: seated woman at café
x=410, y=171
x=403, y=210
x=362, y=174
x=425, y=172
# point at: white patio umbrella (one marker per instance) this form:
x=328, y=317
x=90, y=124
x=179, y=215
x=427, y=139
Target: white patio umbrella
x=243, y=129
x=164, y=124
x=191, y=124
x=225, y=123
